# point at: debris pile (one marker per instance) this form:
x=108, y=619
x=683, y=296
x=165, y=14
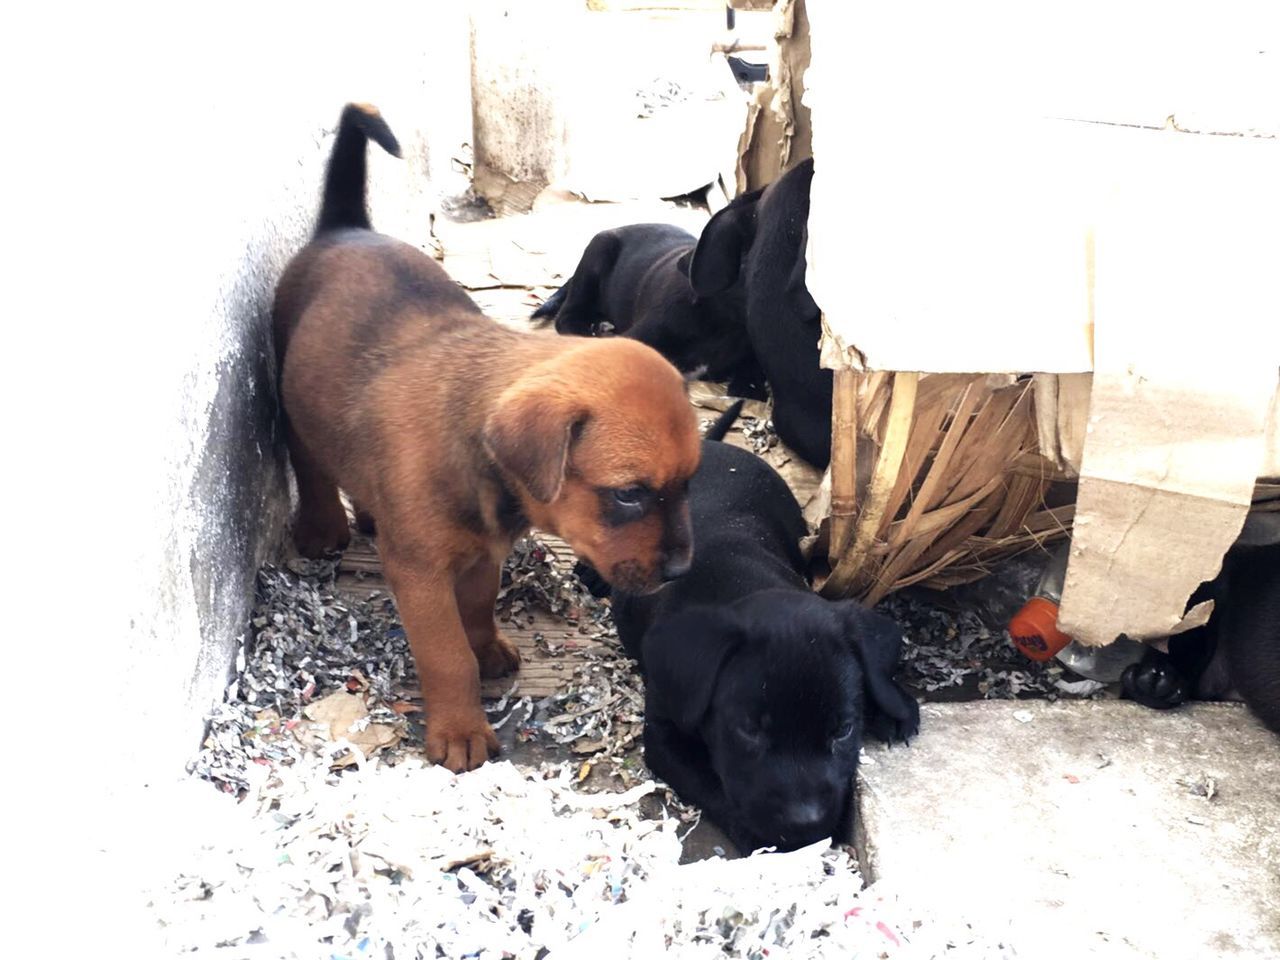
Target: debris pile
x=535, y=578
x=347, y=843
x=659, y=94
x=946, y=649
x=324, y=673
x=759, y=433
x=958, y=648
x=412, y=861
x=313, y=657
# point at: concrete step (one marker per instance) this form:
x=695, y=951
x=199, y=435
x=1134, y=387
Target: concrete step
x=1084, y=829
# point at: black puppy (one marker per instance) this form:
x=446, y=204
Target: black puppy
x=758, y=242
x=1238, y=650
x=758, y=690
x=636, y=280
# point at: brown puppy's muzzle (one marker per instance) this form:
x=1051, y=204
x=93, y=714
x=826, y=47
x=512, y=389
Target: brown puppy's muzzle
x=673, y=559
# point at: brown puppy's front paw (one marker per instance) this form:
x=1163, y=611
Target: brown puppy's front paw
x=460, y=743
x=498, y=658
x=317, y=542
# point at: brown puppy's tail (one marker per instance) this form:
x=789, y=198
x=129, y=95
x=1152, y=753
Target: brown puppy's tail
x=719, y=429
x=345, y=177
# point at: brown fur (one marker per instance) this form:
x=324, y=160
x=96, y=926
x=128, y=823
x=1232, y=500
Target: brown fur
x=453, y=434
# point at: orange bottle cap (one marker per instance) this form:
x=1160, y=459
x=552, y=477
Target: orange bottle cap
x=1034, y=629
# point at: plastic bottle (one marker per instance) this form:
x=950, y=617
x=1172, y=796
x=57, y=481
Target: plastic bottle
x=1034, y=630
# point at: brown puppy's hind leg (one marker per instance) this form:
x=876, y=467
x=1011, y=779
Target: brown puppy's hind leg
x=458, y=733
x=321, y=527
x=364, y=520
x=477, y=591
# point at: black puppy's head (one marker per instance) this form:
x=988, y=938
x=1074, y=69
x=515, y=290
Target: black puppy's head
x=778, y=687
x=757, y=244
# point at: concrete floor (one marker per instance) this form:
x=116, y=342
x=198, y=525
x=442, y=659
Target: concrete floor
x=1087, y=828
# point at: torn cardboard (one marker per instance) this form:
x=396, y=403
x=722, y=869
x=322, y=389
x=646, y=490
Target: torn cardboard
x=343, y=718
x=778, y=133
x=949, y=221
x=1187, y=361
x=1065, y=224
x=1062, y=416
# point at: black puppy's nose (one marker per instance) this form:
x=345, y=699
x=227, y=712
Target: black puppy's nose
x=677, y=565
x=804, y=815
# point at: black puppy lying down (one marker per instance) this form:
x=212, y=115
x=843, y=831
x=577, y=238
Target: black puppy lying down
x=1238, y=651
x=757, y=689
x=636, y=279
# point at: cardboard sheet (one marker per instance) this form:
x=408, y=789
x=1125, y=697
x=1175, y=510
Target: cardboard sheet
x=953, y=204
x=1103, y=196
x=1062, y=416
x=1187, y=343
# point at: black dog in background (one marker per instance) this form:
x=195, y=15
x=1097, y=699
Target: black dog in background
x=758, y=242
x=757, y=689
x=636, y=280
x=1238, y=650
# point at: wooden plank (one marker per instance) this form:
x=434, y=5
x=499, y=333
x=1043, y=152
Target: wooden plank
x=541, y=673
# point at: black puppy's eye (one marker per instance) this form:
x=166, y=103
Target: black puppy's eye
x=630, y=496
x=750, y=730
x=844, y=733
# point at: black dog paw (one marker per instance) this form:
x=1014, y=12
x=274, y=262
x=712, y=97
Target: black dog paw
x=1155, y=681
x=890, y=729
x=591, y=579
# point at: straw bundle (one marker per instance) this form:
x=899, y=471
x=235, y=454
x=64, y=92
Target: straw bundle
x=933, y=477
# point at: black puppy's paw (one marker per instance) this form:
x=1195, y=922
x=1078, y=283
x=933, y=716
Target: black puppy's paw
x=889, y=729
x=591, y=579
x=1155, y=681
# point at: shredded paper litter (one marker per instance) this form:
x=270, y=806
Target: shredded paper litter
x=340, y=841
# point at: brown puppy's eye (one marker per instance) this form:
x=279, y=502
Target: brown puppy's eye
x=620, y=505
x=631, y=496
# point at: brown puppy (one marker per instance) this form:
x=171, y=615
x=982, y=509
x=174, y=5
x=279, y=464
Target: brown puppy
x=454, y=434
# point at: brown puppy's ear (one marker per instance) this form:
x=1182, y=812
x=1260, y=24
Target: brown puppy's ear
x=725, y=240
x=529, y=434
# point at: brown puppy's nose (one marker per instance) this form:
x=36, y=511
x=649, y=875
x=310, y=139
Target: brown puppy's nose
x=677, y=565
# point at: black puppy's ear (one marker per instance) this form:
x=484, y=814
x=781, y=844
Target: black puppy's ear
x=802, y=301
x=891, y=712
x=717, y=259
x=683, y=657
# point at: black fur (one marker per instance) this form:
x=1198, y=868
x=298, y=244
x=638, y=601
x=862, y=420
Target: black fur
x=636, y=279
x=757, y=689
x=758, y=243
x=1251, y=629
x=720, y=428
x=344, y=202
x=1238, y=650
